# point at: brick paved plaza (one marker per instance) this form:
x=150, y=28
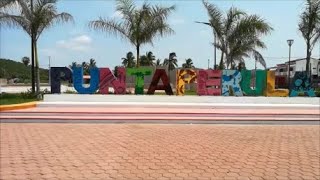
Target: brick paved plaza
x=146, y=151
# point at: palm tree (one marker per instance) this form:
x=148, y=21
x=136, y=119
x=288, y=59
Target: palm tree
x=147, y=60
x=139, y=25
x=73, y=64
x=25, y=60
x=309, y=26
x=86, y=67
x=238, y=34
x=129, y=61
x=172, y=62
x=188, y=64
x=34, y=18
x=7, y=3
x=158, y=62
x=92, y=63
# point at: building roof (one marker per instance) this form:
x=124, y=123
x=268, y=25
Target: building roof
x=295, y=60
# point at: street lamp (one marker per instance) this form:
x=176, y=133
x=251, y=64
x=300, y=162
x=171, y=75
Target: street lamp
x=290, y=42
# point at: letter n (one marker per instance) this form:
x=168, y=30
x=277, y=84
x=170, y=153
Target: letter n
x=107, y=79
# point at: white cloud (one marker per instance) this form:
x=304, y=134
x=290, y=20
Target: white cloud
x=79, y=43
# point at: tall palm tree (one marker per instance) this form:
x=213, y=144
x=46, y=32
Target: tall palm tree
x=139, y=25
x=34, y=18
x=25, y=60
x=129, y=61
x=309, y=26
x=188, y=64
x=238, y=34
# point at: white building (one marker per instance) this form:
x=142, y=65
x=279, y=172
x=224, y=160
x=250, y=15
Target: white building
x=299, y=65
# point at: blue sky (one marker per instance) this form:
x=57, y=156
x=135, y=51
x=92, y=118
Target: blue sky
x=76, y=42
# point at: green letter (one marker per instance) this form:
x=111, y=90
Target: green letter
x=261, y=77
x=139, y=73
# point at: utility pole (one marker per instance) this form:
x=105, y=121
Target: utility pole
x=208, y=63
x=32, y=52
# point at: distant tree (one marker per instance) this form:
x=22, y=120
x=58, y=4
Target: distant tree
x=138, y=25
x=158, y=62
x=115, y=71
x=242, y=66
x=188, y=64
x=172, y=62
x=73, y=64
x=85, y=67
x=309, y=26
x=25, y=60
x=129, y=60
x=148, y=59
x=92, y=63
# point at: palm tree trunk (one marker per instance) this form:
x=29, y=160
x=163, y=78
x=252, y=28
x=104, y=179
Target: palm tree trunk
x=37, y=68
x=33, y=87
x=221, y=60
x=32, y=57
x=308, y=58
x=138, y=55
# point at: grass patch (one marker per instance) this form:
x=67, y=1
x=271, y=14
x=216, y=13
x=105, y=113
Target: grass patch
x=6, y=99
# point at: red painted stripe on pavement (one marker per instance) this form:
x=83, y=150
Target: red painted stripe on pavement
x=155, y=118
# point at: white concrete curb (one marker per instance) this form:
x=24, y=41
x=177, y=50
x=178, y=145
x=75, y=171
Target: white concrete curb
x=166, y=104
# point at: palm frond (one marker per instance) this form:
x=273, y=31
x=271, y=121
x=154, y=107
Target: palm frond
x=110, y=26
x=259, y=58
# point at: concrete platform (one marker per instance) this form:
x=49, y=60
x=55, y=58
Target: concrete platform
x=180, y=99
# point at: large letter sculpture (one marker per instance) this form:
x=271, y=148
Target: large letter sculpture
x=301, y=85
x=139, y=73
x=57, y=74
x=78, y=80
x=261, y=77
x=209, y=82
x=107, y=78
x=160, y=74
x=181, y=80
x=231, y=83
x=271, y=89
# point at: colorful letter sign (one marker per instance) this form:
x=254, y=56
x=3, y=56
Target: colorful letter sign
x=78, y=80
x=271, y=90
x=57, y=74
x=231, y=83
x=209, y=82
x=139, y=73
x=260, y=83
x=160, y=74
x=107, y=78
x=301, y=84
x=182, y=80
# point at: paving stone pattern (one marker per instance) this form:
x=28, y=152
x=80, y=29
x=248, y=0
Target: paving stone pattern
x=149, y=151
